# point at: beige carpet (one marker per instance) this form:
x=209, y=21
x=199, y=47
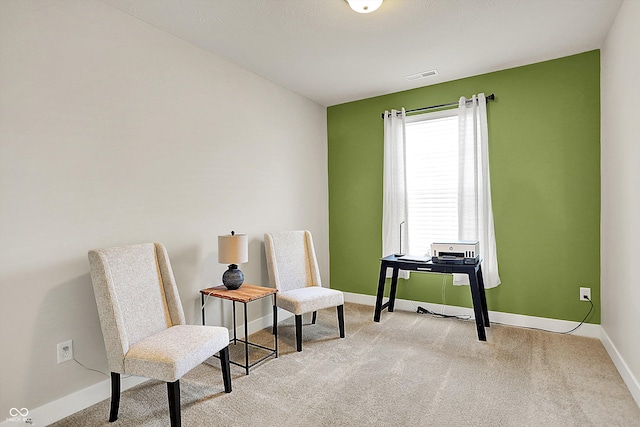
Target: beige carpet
x=409, y=369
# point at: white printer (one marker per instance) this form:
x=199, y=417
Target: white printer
x=456, y=252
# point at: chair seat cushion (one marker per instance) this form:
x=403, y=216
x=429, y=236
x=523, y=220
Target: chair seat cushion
x=170, y=354
x=311, y=298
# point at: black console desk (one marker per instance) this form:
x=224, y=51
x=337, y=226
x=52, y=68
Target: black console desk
x=474, y=271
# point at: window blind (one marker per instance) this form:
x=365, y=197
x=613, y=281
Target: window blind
x=432, y=179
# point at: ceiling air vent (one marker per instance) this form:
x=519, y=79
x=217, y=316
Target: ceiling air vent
x=421, y=75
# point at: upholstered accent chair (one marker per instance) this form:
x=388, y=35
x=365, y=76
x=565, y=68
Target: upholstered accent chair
x=143, y=324
x=293, y=270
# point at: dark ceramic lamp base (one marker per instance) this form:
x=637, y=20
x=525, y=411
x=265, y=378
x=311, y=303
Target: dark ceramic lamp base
x=233, y=277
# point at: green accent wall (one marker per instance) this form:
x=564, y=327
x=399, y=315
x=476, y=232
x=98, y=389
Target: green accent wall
x=544, y=149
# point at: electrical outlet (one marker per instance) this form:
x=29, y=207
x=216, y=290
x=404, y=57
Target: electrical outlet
x=65, y=351
x=585, y=294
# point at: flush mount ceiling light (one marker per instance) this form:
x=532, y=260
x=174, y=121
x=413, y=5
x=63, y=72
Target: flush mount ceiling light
x=364, y=6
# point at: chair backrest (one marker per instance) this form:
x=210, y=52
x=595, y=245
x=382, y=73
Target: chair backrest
x=136, y=295
x=291, y=260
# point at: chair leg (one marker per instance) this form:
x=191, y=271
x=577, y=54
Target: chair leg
x=226, y=370
x=313, y=319
x=173, y=390
x=115, y=396
x=341, y=320
x=299, y=332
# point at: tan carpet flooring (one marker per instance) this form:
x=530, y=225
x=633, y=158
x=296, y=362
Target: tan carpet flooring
x=409, y=369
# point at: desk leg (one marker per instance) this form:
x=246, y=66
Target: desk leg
x=477, y=306
x=483, y=297
x=380, y=294
x=392, y=291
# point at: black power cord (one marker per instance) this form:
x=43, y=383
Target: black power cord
x=585, y=317
x=422, y=310
x=556, y=332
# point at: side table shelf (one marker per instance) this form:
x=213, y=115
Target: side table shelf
x=245, y=294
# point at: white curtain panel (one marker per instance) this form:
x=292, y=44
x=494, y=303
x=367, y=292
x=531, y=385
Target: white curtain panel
x=394, y=205
x=475, y=215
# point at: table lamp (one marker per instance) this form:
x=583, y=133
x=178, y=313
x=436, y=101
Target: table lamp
x=233, y=249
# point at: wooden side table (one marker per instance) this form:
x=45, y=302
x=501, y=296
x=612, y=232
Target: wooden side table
x=245, y=294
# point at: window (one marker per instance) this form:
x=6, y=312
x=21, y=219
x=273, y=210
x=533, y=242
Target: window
x=432, y=179
x=436, y=178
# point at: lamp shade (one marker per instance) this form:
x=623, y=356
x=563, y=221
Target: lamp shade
x=233, y=249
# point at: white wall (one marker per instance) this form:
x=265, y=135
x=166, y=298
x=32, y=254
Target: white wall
x=620, y=228
x=113, y=132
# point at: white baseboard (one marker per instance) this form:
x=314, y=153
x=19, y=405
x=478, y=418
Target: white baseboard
x=70, y=404
x=74, y=402
x=553, y=325
x=627, y=376
x=586, y=329
x=79, y=400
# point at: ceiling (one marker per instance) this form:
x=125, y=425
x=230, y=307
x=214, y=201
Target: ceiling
x=323, y=50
